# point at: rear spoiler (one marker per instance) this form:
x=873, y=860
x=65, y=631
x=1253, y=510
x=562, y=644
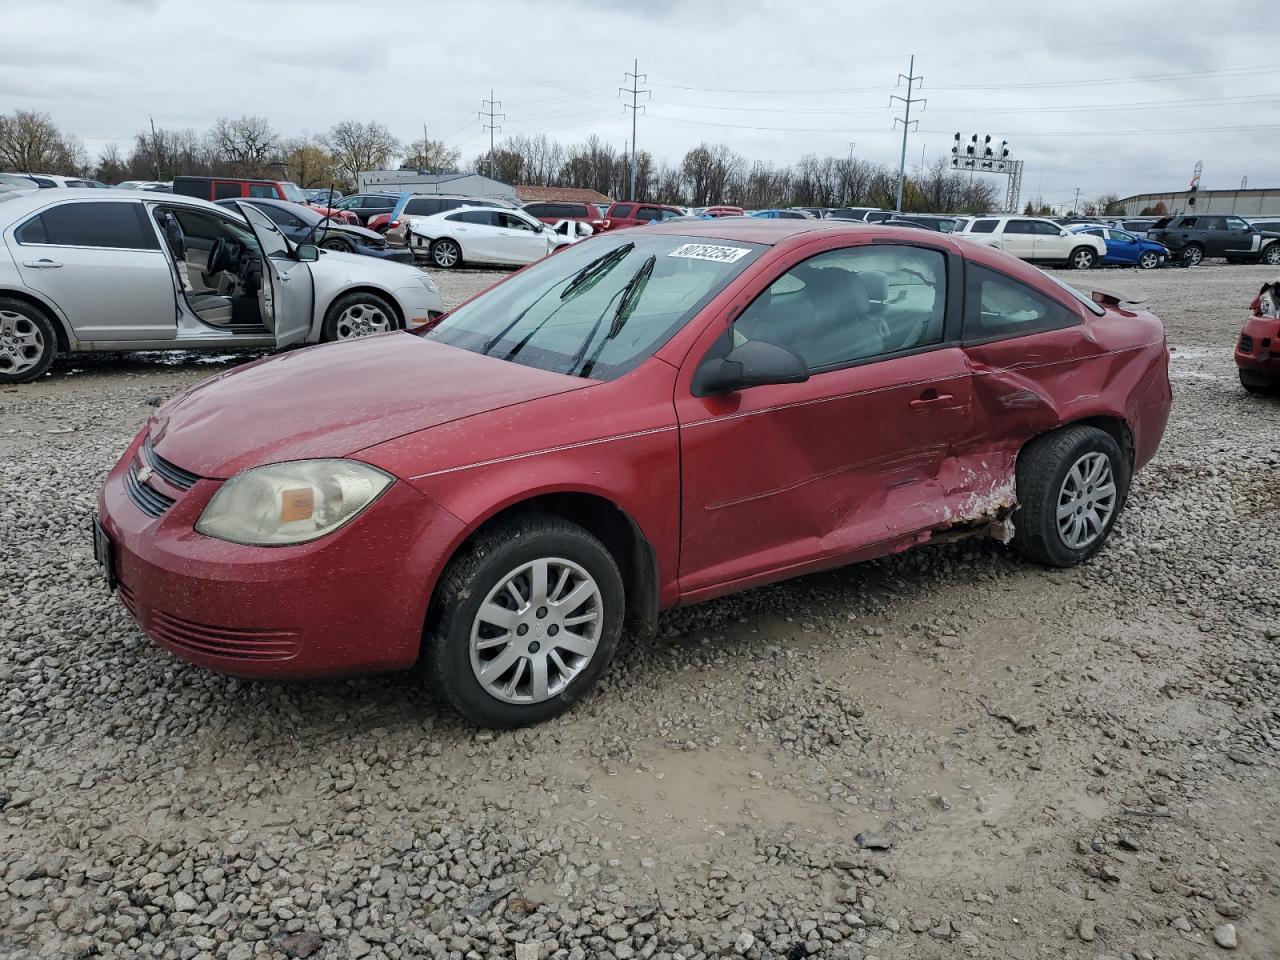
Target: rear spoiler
x=1115, y=298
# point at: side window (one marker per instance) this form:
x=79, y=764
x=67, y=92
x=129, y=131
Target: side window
x=852, y=304
x=983, y=226
x=282, y=217
x=423, y=207
x=537, y=209
x=225, y=191
x=1018, y=226
x=1186, y=223
x=621, y=210
x=999, y=306
x=1122, y=236
x=479, y=217
x=578, y=210
x=117, y=225
x=512, y=222
x=1236, y=223
x=264, y=190
x=1045, y=229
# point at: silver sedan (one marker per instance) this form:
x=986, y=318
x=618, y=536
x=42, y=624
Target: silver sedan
x=85, y=270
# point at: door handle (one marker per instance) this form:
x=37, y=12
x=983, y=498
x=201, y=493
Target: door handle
x=45, y=264
x=282, y=278
x=928, y=399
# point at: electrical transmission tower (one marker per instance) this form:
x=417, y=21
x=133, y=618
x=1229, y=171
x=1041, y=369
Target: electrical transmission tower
x=489, y=109
x=906, y=121
x=635, y=106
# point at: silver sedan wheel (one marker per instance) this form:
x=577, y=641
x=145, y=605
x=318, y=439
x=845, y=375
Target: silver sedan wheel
x=361, y=320
x=21, y=343
x=1149, y=260
x=536, y=630
x=1086, y=501
x=445, y=253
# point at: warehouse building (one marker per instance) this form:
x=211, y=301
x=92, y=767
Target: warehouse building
x=1263, y=202
x=414, y=181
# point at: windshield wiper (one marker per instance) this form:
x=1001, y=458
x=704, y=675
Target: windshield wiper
x=602, y=264
x=629, y=295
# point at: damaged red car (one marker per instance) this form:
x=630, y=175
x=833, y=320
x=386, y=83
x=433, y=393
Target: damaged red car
x=1258, y=349
x=650, y=418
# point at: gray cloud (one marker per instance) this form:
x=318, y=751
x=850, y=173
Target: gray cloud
x=101, y=68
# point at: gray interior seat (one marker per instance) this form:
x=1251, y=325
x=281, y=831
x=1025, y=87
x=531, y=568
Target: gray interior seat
x=211, y=307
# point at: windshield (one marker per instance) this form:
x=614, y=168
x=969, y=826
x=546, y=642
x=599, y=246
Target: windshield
x=292, y=192
x=599, y=308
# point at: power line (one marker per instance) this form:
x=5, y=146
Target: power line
x=906, y=121
x=491, y=126
x=635, y=107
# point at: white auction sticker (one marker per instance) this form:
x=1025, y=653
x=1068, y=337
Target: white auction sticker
x=710, y=251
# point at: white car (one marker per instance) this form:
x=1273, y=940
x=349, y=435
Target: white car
x=91, y=270
x=475, y=235
x=1035, y=240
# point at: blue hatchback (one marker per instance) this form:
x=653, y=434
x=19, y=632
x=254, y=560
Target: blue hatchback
x=1125, y=249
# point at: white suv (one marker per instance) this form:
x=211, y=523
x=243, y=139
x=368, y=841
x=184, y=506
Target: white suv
x=1036, y=240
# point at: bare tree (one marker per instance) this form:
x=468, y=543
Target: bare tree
x=247, y=145
x=31, y=142
x=360, y=146
x=431, y=156
x=307, y=163
x=112, y=166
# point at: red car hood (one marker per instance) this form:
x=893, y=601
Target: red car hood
x=332, y=400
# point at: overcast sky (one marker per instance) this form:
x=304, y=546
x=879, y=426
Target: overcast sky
x=1089, y=94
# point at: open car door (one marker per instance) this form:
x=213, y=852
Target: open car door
x=285, y=296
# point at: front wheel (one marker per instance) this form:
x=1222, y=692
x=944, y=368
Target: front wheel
x=1071, y=486
x=524, y=622
x=1149, y=260
x=446, y=253
x=358, y=314
x=1260, y=383
x=338, y=246
x=1083, y=258
x=28, y=342
x=1192, y=255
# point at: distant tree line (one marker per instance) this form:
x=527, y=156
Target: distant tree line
x=709, y=173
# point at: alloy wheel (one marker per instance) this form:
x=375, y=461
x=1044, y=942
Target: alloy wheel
x=1086, y=500
x=1082, y=260
x=536, y=630
x=1149, y=261
x=21, y=343
x=362, y=320
x=1272, y=255
x=445, y=253
x=1193, y=255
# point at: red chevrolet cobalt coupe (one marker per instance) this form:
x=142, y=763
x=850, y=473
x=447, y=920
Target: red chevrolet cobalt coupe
x=650, y=418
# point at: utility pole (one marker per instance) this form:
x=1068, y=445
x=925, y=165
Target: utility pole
x=636, y=78
x=906, y=121
x=493, y=106
x=424, y=145
x=848, y=175
x=1076, y=202
x=155, y=147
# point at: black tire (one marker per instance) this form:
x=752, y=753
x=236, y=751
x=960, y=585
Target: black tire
x=19, y=323
x=340, y=246
x=1192, y=254
x=1271, y=254
x=446, y=254
x=329, y=331
x=446, y=653
x=1042, y=470
x=1083, y=258
x=1260, y=383
x=1149, y=260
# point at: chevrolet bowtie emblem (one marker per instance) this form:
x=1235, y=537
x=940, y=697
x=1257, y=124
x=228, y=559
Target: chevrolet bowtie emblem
x=145, y=474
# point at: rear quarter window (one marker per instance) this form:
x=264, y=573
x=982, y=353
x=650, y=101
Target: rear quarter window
x=999, y=307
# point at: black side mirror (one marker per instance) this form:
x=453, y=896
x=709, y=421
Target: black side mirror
x=756, y=363
x=307, y=252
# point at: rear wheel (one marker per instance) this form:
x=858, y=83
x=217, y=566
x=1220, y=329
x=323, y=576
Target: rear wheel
x=1082, y=258
x=446, y=253
x=1071, y=486
x=1260, y=383
x=1271, y=255
x=1193, y=254
x=358, y=314
x=524, y=622
x=1149, y=260
x=28, y=342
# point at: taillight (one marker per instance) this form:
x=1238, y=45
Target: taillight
x=393, y=224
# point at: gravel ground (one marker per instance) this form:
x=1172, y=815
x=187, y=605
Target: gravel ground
x=946, y=753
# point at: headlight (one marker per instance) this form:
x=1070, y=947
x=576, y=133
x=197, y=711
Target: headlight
x=286, y=503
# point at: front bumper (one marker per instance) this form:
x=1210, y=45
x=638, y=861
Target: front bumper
x=393, y=254
x=352, y=602
x=1258, y=347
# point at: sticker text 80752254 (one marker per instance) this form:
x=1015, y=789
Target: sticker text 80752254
x=709, y=251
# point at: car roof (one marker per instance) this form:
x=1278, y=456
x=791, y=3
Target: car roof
x=773, y=232
x=19, y=204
